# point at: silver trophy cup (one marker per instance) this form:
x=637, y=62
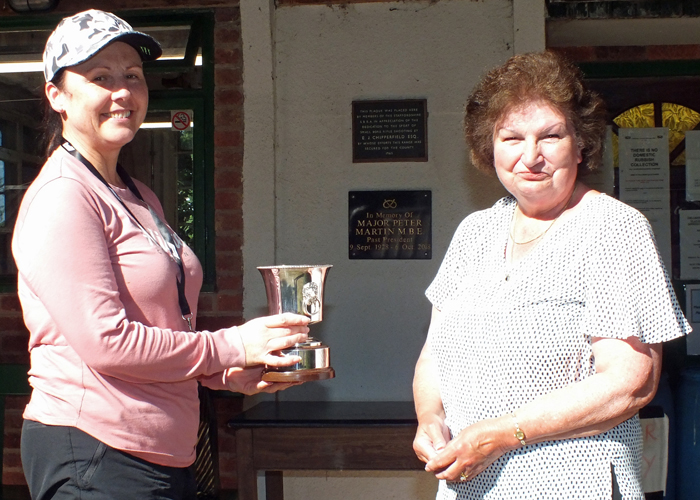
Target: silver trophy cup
x=298, y=290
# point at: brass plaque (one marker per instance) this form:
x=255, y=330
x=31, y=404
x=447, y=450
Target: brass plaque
x=390, y=225
x=385, y=131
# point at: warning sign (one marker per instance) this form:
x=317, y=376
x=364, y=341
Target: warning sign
x=180, y=120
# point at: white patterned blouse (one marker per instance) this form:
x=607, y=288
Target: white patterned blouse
x=511, y=334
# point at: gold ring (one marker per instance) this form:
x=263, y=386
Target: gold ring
x=463, y=476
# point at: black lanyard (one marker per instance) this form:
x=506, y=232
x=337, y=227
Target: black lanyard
x=162, y=226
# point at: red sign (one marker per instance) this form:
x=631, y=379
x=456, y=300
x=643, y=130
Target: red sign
x=180, y=120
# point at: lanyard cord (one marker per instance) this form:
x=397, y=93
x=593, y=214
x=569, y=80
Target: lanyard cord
x=162, y=227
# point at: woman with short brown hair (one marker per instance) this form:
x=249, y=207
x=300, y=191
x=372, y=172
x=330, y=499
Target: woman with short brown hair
x=549, y=308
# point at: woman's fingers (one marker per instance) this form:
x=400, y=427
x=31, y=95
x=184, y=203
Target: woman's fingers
x=249, y=381
x=423, y=447
x=276, y=344
x=285, y=320
x=263, y=336
x=277, y=360
x=278, y=386
x=429, y=441
x=469, y=453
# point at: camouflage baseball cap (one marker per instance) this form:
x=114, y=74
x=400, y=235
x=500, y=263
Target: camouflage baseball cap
x=77, y=38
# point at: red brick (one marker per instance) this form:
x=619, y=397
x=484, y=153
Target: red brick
x=213, y=323
x=13, y=322
x=227, y=56
x=228, y=200
x=15, y=342
x=12, y=459
x=232, y=266
x=13, y=477
x=226, y=34
x=673, y=52
x=229, y=96
x=230, y=302
x=227, y=178
x=13, y=420
x=230, y=271
x=228, y=220
x=12, y=440
x=229, y=118
x=230, y=283
x=228, y=242
x=10, y=303
x=623, y=53
x=578, y=54
x=229, y=159
x=228, y=138
x=231, y=262
x=205, y=303
x=16, y=402
x=228, y=76
x=227, y=15
x=19, y=357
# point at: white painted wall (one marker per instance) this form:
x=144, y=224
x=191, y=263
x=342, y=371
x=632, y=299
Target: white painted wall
x=303, y=67
x=323, y=58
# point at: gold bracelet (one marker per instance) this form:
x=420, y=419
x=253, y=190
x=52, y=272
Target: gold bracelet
x=519, y=434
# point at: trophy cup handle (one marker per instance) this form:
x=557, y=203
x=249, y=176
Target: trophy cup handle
x=311, y=304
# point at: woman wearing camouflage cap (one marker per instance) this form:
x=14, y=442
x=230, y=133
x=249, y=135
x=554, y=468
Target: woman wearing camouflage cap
x=109, y=292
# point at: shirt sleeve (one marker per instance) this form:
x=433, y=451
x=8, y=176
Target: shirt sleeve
x=628, y=291
x=64, y=262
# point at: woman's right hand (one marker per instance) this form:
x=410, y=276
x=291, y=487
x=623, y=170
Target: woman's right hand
x=264, y=337
x=249, y=381
x=431, y=437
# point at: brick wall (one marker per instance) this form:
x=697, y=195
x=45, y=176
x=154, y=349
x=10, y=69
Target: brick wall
x=217, y=309
x=631, y=53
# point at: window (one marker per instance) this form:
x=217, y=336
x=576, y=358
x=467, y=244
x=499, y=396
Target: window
x=176, y=164
x=677, y=118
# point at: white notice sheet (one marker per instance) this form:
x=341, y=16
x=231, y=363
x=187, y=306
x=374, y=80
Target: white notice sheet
x=692, y=165
x=689, y=229
x=692, y=313
x=645, y=180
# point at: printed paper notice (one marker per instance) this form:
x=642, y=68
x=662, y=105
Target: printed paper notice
x=689, y=229
x=645, y=180
x=692, y=308
x=692, y=165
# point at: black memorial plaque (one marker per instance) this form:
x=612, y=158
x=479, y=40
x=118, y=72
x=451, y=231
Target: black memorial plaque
x=390, y=224
x=389, y=131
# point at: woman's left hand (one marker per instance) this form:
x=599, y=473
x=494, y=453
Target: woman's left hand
x=474, y=449
x=249, y=381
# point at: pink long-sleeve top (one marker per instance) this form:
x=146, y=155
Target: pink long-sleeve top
x=110, y=351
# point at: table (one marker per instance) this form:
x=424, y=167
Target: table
x=324, y=435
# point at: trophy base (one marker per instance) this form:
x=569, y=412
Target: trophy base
x=299, y=375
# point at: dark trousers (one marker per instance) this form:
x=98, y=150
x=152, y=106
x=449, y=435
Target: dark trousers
x=66, y=463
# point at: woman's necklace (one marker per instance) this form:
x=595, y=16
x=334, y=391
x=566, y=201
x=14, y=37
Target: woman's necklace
x=512, y=225
x=509, y=258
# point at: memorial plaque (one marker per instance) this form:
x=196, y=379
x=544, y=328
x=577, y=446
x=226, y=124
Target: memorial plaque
x=389, y=131
x=390, y=224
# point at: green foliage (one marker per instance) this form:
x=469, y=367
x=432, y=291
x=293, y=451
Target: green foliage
x=185, y=190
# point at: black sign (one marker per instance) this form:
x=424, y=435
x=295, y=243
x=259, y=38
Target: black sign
x=389, y=131
x=390, y=224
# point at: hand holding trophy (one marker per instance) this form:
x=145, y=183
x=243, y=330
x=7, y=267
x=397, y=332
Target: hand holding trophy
x=298, y=290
